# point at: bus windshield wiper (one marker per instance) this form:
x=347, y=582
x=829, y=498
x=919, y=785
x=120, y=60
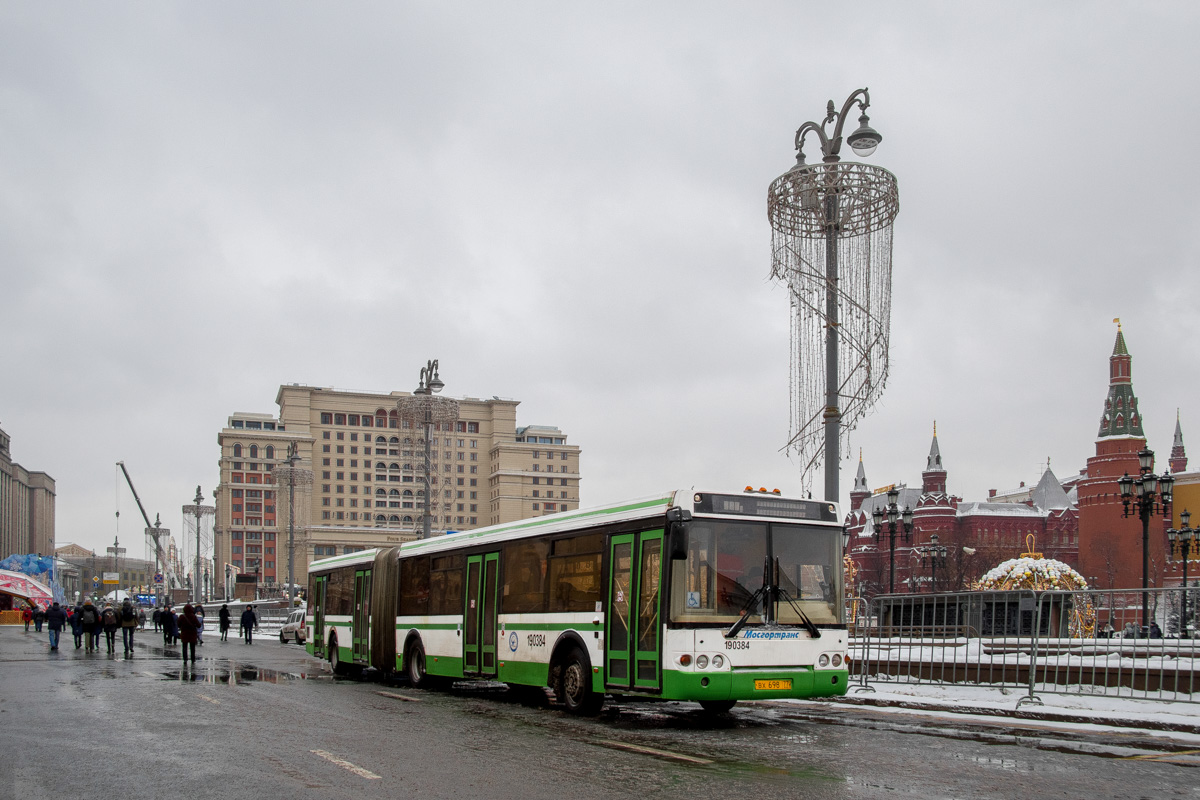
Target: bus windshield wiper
x=812, y=629
x=750, y=604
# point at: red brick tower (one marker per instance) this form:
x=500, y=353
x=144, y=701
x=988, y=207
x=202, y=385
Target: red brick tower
x=1110, y=545
x=1178, y=460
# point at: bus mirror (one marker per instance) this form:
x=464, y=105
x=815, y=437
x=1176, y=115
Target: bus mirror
x=677, y=534
x=677, y=541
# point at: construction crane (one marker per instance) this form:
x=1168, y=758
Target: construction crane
x=155, y=532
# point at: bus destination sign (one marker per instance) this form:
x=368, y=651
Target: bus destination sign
x=758, y=505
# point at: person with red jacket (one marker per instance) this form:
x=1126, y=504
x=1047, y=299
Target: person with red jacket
x=27, y=616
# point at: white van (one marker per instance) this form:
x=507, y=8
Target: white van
x=294, y=629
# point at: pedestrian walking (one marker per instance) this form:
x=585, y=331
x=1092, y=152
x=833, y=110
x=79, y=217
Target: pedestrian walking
x=56, y=620
x=76, y=620
x=27, y=617
x=249, y=623
x=189, y=627
x=141, y=614
x=128, y=625
x=39, y=616
x=167, y=620
x=110, y=621
x=89, y=620
x=200, y=630
x=223, y=622
x=156, y=618
x=1155, y=631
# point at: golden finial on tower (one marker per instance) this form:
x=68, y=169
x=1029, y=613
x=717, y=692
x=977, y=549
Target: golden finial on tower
x=1118, y=321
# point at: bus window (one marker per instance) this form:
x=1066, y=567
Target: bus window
x=339, y=594
x=525, y=577
x=575, y=573
x=414, y=586
x=446, y=584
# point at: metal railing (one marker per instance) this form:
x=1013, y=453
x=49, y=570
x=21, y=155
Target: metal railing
x=1092, y=642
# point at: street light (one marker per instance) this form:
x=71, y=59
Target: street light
x=198, y=511
x=831, y=240
x=1184, y=538
x=425, y=409
x=893, y=515
x=935, y=555
x=1150, y=494
x=293, y=476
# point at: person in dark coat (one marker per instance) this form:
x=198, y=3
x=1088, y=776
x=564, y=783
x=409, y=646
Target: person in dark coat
x=39, y=616
x=156, y=618
x=76, y=620
x=56, y=620
x=89, y=620
x=249, y=623
x=189, y=629
x=223, y=622
x=167, y=620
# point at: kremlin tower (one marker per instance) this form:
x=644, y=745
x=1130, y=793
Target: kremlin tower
x=1110, y=544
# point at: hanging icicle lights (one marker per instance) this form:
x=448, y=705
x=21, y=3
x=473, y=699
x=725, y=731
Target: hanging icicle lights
x=831, y=243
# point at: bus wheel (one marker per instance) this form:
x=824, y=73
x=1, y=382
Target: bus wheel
x=717, y=706
x=414, y=666
x=574, y=687
x=335, y=658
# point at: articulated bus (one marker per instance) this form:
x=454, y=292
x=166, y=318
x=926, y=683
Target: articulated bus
x=690, y=595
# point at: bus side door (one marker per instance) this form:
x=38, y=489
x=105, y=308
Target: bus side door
x=360, y=623
x=633, y=646
x=318, y=603
x=479, y=615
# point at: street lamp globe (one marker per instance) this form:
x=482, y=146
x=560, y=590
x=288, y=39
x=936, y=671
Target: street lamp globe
x=865, y=139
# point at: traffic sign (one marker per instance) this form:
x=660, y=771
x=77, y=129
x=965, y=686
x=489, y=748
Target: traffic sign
x=158, y=578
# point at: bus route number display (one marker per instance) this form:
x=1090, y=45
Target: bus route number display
x=751, y=505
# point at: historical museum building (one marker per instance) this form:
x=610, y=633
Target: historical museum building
x=26, y=507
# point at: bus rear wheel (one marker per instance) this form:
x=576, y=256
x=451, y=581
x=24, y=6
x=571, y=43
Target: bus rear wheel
x=335, y=658
x=414, y=666
x=574, y=687
x=717, y=706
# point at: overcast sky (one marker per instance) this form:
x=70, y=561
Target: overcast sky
x=566, y=205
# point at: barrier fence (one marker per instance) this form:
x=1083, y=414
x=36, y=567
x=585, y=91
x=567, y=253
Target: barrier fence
x=1116, y=643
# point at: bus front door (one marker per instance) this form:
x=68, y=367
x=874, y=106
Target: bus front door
x=479, y=615
x=633, y=646
x=318, y=604
x=360, y=624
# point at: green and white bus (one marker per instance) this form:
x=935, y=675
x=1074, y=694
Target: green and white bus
x=689, y=595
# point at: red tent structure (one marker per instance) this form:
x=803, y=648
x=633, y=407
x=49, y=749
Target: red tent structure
x=16, y=587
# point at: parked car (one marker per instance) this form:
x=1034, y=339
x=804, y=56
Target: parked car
x=294, y=628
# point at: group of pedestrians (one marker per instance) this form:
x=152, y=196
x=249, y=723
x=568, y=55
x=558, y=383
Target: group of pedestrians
x=88, y=623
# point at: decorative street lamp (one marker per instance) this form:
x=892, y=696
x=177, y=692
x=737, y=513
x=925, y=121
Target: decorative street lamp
x=423, y=408
x=198, y=511
x=831, y=242
x=894, y=515
x=293, y=476
x=1183, y=538
x=1150, y=494
x=935, y=555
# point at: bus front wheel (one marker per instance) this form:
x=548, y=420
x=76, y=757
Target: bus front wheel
x=574, y=688
x=717, y=706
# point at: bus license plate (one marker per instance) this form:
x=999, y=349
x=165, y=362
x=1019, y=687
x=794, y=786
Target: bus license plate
x=772, y=686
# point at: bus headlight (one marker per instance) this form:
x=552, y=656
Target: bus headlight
x=701, y=662
x=718, y=661
x=823, y=660
x=837, y=659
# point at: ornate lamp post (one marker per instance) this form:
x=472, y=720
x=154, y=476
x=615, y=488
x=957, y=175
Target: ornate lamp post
x=1149, y=494
x=893, y=515
x=423, y=408
x=934, y=555
x=828, y=219
x=199, y=511
x=1183, y=538
x=293, y=476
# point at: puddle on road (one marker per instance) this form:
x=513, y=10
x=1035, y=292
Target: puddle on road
x=237, y=675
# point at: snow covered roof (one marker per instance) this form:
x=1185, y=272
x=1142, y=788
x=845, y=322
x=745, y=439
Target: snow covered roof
x=998, y=510
x=1048, y=494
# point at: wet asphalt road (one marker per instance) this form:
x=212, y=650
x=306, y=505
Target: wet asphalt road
x=267, y=721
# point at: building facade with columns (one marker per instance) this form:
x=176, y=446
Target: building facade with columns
x=367, y=485
x=27, y=500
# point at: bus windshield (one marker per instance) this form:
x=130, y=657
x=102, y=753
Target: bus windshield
x=724, y=569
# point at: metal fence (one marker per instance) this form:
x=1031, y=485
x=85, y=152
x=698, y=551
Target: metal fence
x=1126, y=643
